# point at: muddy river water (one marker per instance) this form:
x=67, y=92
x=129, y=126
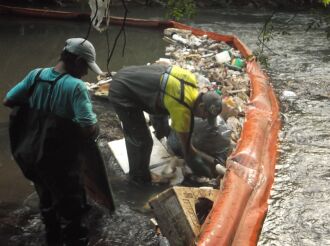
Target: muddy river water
x=299, y=206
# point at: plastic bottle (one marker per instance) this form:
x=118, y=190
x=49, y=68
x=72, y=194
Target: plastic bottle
x=218, y=91
x=221, y=170
x=180, y=39
x=238, y=62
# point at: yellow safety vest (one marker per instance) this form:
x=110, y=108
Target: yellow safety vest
x=178, y=94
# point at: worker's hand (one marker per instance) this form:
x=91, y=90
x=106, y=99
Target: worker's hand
x=198, y=166
x=90, y=134
x=105, y=75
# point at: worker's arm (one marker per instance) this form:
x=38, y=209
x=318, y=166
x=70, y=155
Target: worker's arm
x=187, y=148
x=90, y=133
x=19, y=94
x=190, y=150
x=84, y=114
x=196, y=160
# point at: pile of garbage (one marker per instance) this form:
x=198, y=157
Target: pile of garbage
x=218, y=66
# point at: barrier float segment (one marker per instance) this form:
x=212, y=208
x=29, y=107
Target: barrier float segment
x=240, y=208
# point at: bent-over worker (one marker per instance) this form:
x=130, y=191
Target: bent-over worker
x=52, y=117
x=160, y=90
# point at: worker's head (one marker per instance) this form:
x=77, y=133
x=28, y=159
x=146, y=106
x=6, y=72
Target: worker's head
x=208, y=106
x=78, y=55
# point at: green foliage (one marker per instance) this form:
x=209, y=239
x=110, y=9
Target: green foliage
x=327, y=19
x=326, y=2
x=269, y=32
x=262, y=58
x=180, y=9
x=266, y=34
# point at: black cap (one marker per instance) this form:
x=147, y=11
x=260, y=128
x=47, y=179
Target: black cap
x=213, y=105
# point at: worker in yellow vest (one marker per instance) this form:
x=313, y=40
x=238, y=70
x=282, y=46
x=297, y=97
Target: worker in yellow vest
x=160, y=91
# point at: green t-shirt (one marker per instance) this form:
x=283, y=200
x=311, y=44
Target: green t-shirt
x=70, y=98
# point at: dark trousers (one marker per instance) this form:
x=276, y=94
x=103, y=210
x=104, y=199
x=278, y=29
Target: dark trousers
x=62, y=200
x=138, y=142
x=161, y=126
x=46, y=147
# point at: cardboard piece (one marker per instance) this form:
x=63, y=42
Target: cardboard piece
x=176, y=214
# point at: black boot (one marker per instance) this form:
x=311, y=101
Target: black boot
x=75, y=234
x=53, y=235
x=52, y=227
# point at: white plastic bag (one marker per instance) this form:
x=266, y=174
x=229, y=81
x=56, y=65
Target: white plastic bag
x=100, y=15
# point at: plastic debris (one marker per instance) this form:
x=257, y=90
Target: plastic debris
x=223, y=57
x=100, y=14
x=221, y=170
x=180, y=39
x=101, y=88
x=288, y=95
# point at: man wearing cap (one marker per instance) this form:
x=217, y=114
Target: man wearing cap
x=160, y=91
x=52, y=116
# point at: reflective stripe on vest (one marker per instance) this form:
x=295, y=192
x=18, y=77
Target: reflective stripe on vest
x=163, y=83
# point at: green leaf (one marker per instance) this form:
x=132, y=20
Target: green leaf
x=180, y=9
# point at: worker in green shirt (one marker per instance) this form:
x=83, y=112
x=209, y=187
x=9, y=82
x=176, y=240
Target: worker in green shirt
x=52, y=117
x=160, y=91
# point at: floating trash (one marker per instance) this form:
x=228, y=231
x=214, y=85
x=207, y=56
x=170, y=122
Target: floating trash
x=223, y=57
x=288, y=95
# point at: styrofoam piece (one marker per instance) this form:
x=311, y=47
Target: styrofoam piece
x=104, y=81
x=146, y=116
x=164, y=61
x=180, y=39
x=159, y=155
x=223, y=57
x=288, y=94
